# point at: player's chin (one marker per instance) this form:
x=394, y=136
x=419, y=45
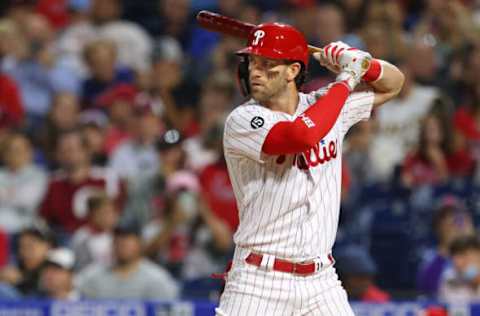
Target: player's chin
x=258, y=94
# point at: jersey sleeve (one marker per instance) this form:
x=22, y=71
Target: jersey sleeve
x=246, y=129
x=358, y=107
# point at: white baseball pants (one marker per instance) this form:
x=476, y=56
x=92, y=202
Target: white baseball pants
x=251, y=290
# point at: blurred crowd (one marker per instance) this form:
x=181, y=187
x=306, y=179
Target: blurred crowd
x=112, y=178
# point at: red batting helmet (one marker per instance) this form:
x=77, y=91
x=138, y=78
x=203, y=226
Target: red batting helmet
x=277, y=41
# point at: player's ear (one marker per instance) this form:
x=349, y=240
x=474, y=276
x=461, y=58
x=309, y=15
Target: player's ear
x=293, y=70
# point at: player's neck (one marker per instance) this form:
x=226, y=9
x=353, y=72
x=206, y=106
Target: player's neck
x=286, y=102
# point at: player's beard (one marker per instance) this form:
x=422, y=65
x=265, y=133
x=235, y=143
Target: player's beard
x=275, y=85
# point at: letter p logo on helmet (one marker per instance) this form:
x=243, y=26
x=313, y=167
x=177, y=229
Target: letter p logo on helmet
x=259, y=34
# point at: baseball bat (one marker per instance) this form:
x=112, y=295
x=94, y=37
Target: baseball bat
x=222, y=24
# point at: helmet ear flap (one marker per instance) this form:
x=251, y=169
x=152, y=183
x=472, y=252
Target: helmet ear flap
x=242, y=75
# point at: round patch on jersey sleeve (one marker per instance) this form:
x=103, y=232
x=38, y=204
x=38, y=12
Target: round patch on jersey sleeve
x=257, y=122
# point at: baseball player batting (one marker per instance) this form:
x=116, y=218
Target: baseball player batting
x=283, y=150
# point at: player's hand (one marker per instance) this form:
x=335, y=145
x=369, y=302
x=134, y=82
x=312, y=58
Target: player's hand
x=351, y=63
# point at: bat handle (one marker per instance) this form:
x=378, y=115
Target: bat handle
x=313, y=49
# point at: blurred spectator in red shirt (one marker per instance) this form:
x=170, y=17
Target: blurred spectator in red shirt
x=11, y=107
x=215, y=183
x=55, y=11
x=65, y=204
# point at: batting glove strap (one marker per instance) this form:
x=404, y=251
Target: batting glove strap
x=374, y=72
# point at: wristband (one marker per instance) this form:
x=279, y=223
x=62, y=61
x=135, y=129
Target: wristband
x=374, y=72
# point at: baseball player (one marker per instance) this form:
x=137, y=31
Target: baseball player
x=283, y=150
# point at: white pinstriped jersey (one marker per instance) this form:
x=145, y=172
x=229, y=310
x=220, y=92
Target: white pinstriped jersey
x=288, y=205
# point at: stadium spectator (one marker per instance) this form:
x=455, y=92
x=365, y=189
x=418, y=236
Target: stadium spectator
x=136, y=158
x=329, y=22
x=105, y=72
x=93, y=125
x=174, y=20
x=215, y=183
x=56, y=278
x=65, y=204
x=450, y=30
x=11, y=106
x=118, y=101
x=215, y=101
x=173, y=96
x=383, y=30
x=450, y=222
x=357, y=271
x=398, y=124
x=168, y=235
x=38, y=71
x=461, y=283
x=32, y=248
x=357, y=154
x=22, y=185
x=133, y=43
x=427, y=165
x=130, y=276
x=100, y=19
x=62, y=117
x=212, y=237
x=92, y=243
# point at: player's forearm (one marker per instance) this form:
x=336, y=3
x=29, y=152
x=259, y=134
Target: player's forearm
x=388, y=85
x=309, y=127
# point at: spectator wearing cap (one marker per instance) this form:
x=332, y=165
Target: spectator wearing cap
x=22, y=185
x=130, y=276
x=64, y=206
x=56, y=278
x=450, y=222
x=92, y=243
x=31, y=253
x=461, y=283
x=119, y=102
x=101, y=58
x=168, y=233
x=357, y=271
